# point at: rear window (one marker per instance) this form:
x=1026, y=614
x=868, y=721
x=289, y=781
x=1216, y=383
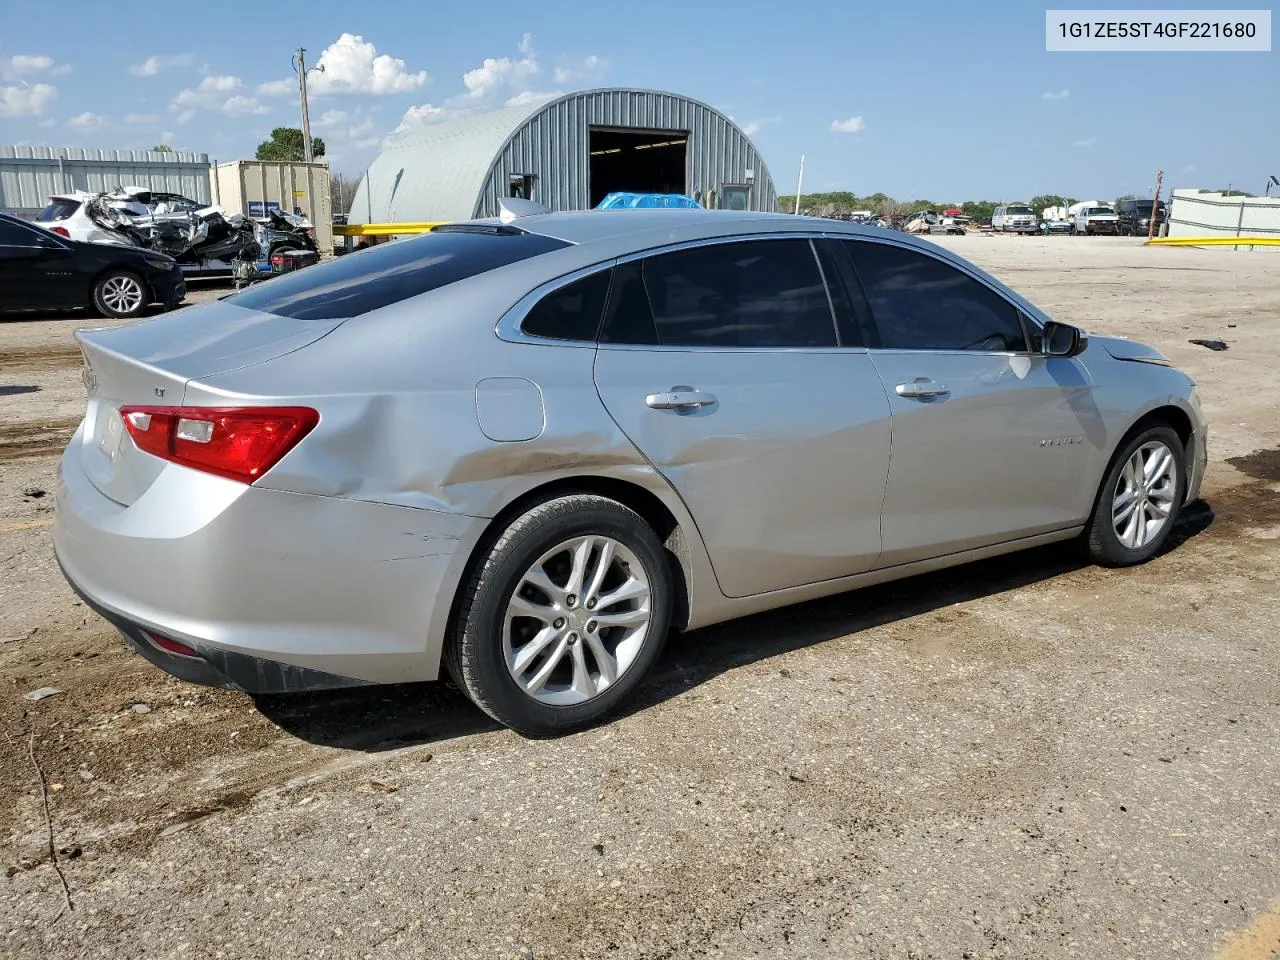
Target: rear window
x=58, y=210
x=357, y=283
x=1017, y=210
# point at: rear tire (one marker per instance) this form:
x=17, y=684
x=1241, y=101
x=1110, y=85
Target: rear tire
x=1139, y=500
x=531, y=646
x=120, y=294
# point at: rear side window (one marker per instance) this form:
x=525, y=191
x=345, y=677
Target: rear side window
x=357, y=283
x=921, y=303
x=58, y=210
x=757, y=293
x=571, y=312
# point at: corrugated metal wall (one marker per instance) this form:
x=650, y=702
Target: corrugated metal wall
x=28, y=175
x=1200, y=213
x=553, y=144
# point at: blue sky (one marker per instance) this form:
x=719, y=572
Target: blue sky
x=945, y=100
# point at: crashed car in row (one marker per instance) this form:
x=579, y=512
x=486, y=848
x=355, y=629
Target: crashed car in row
x=205, y=240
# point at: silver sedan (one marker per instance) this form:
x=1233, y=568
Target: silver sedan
x=525, y=449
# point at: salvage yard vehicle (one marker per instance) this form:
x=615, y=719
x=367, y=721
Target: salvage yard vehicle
x=42, y=271
x=1095, y=220
x=205, y=240
x=1014, y=218
x=520, y=450
x=1134, y=217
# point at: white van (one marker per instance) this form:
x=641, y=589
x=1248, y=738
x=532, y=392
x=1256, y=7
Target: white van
x=1015, y=217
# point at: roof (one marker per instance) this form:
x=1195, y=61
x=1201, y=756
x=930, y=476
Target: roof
x=461, y=153
x=588, y=226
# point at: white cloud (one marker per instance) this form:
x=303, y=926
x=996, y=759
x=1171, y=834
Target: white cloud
x=47, y=123
x=167, y=137
x=212, y=91
x=752, y=127
x=26, y=64
x=532, y=96
x=353, y=65
x=589, y=68
x=277, y=88
x=496, y=73
x=332, y=118
x=185, y=116
x=1060, y=95
x=83, y=121
x=1084, y=143
x=153, y=65
x=141, y=118
x=25, y=99
x=852, y=125
x=241, y=106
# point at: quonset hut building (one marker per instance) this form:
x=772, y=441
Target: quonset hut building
x=568, y=154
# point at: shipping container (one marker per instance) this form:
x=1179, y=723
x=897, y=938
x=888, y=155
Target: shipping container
x=28, y=175
x=252, y=187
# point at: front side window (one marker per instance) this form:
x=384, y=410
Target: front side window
x=756, y=293
x=571, y=312
x=921, y=303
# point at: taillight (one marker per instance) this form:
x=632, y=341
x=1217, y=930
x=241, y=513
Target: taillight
x=239, y=443
x=61, y=231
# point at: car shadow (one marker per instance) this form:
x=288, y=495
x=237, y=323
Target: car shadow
x=13, y=391
x=387, y=717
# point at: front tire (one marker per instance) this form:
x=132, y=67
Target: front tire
x=1139, y=500
x=120, y=294
x=564, y=617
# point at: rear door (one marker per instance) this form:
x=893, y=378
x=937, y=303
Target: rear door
x=990, y=439
x=722, y=364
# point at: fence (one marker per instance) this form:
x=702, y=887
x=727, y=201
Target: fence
x=1201, y=213
x=28, y=175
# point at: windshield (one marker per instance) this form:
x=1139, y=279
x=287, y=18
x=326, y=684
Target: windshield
x=1098, y=211
x=58, y=210
x=1026, y=210
x=389, y=273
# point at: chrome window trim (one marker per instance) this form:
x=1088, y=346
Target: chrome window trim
x=508, y=326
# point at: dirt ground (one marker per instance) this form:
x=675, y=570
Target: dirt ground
x=1025, y=758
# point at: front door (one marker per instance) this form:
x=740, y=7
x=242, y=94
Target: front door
x=722, y=365
x=990, y=441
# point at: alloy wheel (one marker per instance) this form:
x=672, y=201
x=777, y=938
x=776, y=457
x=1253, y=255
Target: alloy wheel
x=576, y=620
x=1144, y=495
x=122, y=294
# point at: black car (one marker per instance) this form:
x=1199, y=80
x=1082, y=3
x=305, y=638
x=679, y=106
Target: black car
x=1135, y=217
x=41, y=271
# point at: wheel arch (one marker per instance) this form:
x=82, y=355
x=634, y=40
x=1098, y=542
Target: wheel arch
x=97, y=277
x=635, y=497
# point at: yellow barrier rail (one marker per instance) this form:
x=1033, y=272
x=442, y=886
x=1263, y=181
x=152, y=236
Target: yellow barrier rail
x=383, y=229
x=1218, y=241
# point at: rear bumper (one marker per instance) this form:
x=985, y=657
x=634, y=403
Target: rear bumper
x=275, y=591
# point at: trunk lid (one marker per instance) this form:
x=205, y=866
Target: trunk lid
x=151, y=362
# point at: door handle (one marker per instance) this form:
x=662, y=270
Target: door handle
x=679, y=398
x=921, y=389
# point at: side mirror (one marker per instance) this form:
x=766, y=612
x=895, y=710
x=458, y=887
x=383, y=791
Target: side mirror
x=1062, y=340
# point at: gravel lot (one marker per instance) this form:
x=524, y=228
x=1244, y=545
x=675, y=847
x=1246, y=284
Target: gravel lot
x=1024, y=758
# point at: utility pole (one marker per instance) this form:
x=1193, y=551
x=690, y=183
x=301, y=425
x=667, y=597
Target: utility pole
x=799, y=184
x=1155, y=203
x=301, y=67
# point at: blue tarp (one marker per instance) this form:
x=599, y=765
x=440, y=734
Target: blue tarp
x=616, y=201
